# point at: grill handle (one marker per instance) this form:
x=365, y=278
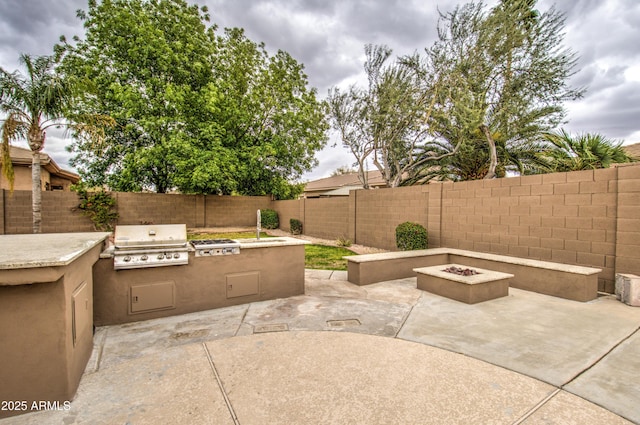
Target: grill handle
x=153, y=246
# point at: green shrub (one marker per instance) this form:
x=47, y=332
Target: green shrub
x=343, y=241
x=99, y=206
x=296, y=226
x=410, y=236
x=269, y=219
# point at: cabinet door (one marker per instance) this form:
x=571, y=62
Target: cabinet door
x=153, y=296
x=82, y=313
x=243, y=284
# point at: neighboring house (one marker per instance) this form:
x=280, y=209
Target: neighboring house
x=52, y=176
x=340, y=185
x=633, y=150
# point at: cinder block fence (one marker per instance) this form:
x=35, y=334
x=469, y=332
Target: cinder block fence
x=589, y=218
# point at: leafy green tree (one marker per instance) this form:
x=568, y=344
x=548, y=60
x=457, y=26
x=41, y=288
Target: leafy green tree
x=197, y=112
x=509, y=77
x=264, y=115
x=33, y=103
x=148, y=60
x=583, y=152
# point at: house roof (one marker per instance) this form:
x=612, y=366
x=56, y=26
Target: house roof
x=633, y=150
x=341, y=191
x=344, y=180
x=22, y=156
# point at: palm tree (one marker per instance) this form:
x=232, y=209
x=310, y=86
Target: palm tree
x=471, y=161
x=31, y=104
x=583, y=152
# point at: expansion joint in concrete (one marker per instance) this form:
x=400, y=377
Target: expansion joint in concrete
x=220, y=385
x=600, y=358
x=246, y=310
x=535, y=408
x=404, y=320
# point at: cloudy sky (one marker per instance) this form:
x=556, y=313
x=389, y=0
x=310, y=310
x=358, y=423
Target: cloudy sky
x=328, y=37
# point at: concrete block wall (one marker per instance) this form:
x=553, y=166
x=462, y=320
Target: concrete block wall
x=59, y=216
x=434, y=215
x=17, y=212
x=378, y=213
x=627, y=249
x=562, y=217
x=589, y=218
x=288, y=210
x=155, y=208
x=58, y=213
x=231, y=211
x=326, y=218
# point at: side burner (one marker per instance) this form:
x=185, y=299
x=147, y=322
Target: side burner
x=210, y=247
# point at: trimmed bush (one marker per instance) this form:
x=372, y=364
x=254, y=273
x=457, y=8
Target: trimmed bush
x=410, y=236
x=269, y=219
x=296, y=226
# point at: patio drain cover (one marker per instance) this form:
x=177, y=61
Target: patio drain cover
x=274, y=327
x=198, y=333
x=347, y=323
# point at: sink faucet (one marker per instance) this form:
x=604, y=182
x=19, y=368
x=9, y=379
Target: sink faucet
x=258, y=228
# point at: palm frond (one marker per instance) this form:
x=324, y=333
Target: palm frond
x=582, y=152
x=12, y=128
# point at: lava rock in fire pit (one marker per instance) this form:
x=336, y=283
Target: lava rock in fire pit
x=460, y=271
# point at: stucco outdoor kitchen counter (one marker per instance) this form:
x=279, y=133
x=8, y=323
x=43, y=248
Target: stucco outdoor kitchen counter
x=46, y=249
x=263, y=269
x=46, y=314
x=279, y=241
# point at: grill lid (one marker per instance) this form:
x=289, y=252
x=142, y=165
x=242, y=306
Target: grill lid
x=149, y=236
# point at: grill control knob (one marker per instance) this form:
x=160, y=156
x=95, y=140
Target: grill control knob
x=176, y=255
x=144, y=258
x=126, y=259
x=160, y=256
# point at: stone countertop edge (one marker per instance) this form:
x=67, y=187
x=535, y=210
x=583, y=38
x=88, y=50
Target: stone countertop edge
x=395, y=255
x=270, y=242
x=46, y=249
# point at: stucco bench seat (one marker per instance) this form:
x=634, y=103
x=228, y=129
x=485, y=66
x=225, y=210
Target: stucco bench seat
x=567, y=281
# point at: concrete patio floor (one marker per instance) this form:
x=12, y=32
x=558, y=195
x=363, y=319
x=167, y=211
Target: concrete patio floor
x=380, y=354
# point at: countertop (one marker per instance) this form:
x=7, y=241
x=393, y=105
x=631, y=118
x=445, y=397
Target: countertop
x=45, y=249
x=270, y=242
x=244, y=244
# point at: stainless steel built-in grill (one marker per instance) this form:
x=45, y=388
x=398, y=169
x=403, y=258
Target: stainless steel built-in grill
x=208, y=247
x=150, y=246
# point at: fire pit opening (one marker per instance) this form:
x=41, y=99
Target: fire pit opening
x=460, y=271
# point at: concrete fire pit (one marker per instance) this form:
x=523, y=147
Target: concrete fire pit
x=475, y=288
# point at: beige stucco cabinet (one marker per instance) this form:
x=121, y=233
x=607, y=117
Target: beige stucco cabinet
x=46, y=317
